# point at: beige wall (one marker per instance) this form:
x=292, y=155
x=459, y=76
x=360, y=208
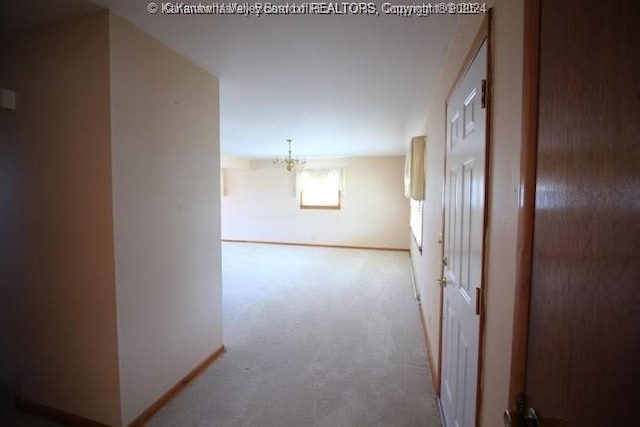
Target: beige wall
x=165, y=148
x=58, y=254
x=228, y=161
x=261, y=204
x=111, y=270
x=503, y=199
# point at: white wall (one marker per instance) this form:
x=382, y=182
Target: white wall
x=166, y=202
x=57, y=236
x=261, y=204
x=503, y=199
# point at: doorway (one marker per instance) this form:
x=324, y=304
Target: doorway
x=464, y=222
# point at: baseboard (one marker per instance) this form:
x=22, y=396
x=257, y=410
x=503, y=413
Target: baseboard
x=148, y=413
x=320, y=245
x=55, y=415
x=442, y=419
x=414, y=283
x=434, y=374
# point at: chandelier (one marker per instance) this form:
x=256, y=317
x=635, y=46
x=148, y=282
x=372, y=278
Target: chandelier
x=289, y=163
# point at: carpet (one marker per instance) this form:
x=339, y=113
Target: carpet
x=314, y=337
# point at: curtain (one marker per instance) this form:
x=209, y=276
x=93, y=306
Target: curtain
x=323, y=183
x=414, y=172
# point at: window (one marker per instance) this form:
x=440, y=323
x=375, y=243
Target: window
x=416, y=221
x=320, y=188
x=414, y=185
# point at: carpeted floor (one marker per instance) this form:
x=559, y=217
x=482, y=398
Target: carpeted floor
x=315, y=337
x=10, y=417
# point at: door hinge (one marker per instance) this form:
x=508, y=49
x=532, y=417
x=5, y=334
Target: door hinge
x=478, y=300
x=484, y=94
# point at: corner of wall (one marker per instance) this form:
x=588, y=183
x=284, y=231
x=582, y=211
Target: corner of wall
x=166, y=212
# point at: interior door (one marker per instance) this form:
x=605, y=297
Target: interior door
x=463, y=244
x=583, y=354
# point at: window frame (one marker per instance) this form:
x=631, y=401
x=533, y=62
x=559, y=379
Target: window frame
x=322, y=207
x=306, y=177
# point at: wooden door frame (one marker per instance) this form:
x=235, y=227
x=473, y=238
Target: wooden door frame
x=526, y=208
x=484, y=34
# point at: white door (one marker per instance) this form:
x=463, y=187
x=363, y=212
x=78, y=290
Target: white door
x=463, y=244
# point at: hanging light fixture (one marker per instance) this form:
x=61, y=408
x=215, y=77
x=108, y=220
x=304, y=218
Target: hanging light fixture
x=289, y=163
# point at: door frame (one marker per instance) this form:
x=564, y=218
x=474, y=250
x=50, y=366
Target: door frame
x=485, y=33
x=526, y=208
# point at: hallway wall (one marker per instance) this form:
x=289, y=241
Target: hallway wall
x=57, y=247
x=110, y=216
x=166, y=203
x=503, y=182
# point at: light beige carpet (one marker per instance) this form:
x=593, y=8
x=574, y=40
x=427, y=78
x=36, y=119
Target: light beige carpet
x=315, y=337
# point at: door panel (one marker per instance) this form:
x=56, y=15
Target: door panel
x=463, y=244
x=583, y=357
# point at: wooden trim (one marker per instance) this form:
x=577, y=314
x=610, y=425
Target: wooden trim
x=321, y=208
x=487, y=179
x=481, y=35
x=526, y=211
x=442, y=254
x=435, y=378
x=55, y=415
x=315, y=245
x=148, y=413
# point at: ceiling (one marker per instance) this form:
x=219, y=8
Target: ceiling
x=337, y=85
